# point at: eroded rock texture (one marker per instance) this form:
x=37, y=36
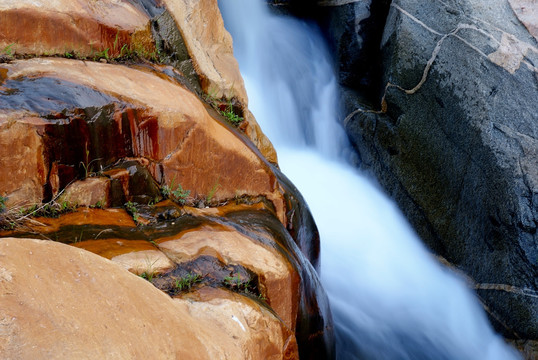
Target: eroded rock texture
x=89, y=115
x=201, y=48
x=454, y=140
x=111, y=141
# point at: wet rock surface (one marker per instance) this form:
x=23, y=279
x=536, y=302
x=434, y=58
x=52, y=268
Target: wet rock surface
x=452, y=137
x=153, y=31
x=114, y=141
x=98, y=309
x=240, y=248
x=156, y=120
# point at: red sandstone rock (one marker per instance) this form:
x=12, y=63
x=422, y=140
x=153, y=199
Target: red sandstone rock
x=22, y=161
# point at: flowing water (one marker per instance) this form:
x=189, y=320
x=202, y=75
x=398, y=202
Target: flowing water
x=389, y=297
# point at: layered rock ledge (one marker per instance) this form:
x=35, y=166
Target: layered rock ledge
x=165, y=231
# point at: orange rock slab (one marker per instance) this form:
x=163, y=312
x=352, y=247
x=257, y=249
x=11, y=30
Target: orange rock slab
x=166, y=124
x=136, y=256
x=22, y=161
x=278, y=278
x=211, y=49
x=81, y=27
x=57, y=301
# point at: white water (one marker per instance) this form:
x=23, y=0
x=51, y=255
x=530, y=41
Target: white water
x=389, y=297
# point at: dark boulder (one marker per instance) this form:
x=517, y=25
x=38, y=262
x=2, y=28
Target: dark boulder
x=455, y=142
x=354, y=29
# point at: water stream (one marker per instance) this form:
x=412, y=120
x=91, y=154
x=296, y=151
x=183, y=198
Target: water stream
x=390, y=298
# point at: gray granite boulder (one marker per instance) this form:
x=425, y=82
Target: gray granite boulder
x=454, y=140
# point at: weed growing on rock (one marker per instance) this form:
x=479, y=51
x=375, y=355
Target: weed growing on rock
x=150, y=272
x=51, y=209
x=186, y=282
x=2, y=203
x=87, y=166
x=237, y=284
x=148, y=275
x=212, y=192
x=231, y=116
x=176, y=194
x=8, y=50
x=131, y=208
x=225, y=108
x=98, y=205
x=16, y=216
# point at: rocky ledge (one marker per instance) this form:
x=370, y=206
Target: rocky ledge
x=142, y=213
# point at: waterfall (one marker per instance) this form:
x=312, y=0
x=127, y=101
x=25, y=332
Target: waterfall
x=390, y=298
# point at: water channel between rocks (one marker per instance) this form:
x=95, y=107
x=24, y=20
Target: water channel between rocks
x=390, y=299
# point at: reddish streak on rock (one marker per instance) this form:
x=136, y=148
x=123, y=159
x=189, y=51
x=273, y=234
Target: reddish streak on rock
x=34, y=33
x=148, y=136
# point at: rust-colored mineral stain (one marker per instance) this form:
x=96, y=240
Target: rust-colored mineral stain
x=88, y=216
x=148, y=136
x=110, y=248
x=3, y=75
x=34, y=31
x=114, y=39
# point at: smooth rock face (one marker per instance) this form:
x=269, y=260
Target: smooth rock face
x=456, y=143
x=278, y=278
x=210, y=47
x=527, y=12
x=110, y=29
x=50, y=291
x=79, y=27
x=147, y=116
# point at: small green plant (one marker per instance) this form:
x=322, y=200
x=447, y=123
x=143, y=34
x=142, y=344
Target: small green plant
x=236, y=283
x=125, y=51
x=3, y=200
x=177, y=194
x=8, y=49
x=16, y=216
x=101, y=55
x=186, y=282
x=51, y=209
x=115, y=47
x=148, y=275
x=212, y=192
x=131, y=208
x=87, y=165
x=98, y=205
x=231, y=116
x=150, y=272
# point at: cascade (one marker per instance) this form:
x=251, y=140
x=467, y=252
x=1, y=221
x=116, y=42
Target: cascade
x=389, y=297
